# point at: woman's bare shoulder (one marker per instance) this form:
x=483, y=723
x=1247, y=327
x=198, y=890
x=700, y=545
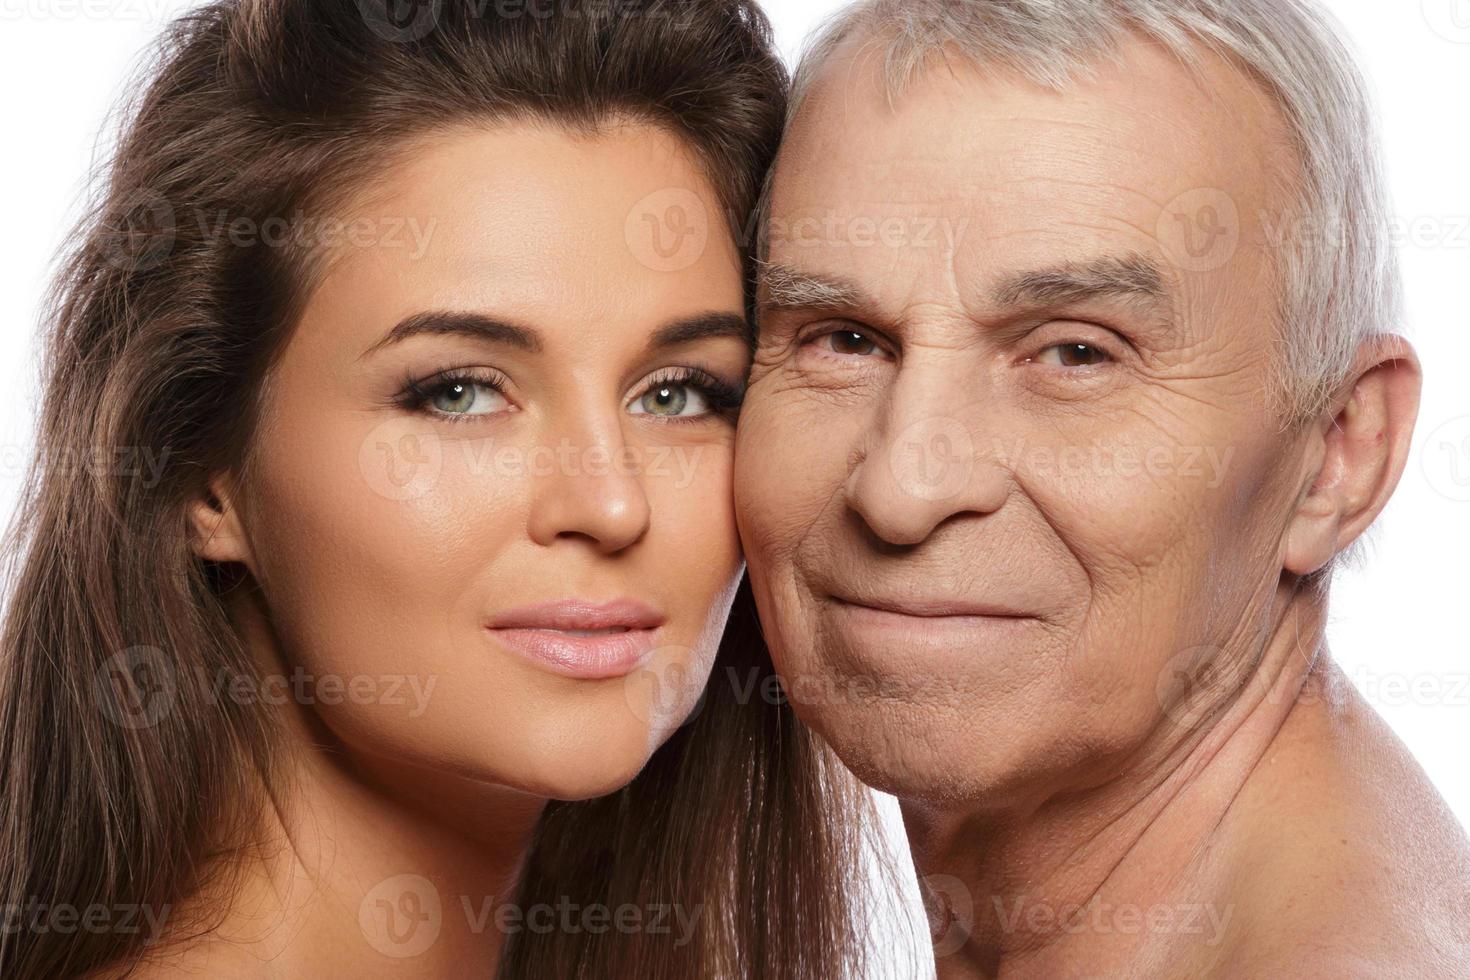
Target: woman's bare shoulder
x=207, y=957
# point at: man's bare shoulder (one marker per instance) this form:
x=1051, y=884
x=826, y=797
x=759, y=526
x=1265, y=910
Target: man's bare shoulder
x=1348, y=861
x=1335, y=962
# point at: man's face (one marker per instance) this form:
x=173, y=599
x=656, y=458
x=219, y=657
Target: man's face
x=1008, y=466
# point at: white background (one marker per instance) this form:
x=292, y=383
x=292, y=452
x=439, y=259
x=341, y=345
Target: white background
x=1399, y=623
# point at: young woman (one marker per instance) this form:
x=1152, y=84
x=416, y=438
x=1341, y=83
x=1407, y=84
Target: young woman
x=381, y=633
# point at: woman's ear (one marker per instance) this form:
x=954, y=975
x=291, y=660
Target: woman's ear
x=1358, y=452
x=216, y=532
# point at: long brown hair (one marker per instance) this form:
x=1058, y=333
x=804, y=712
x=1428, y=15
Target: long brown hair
x=161, y=334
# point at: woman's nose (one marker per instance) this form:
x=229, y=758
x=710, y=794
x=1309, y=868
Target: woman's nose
x=589, y=485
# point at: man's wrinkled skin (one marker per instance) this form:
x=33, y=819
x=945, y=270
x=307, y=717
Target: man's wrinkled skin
x=1031, y=539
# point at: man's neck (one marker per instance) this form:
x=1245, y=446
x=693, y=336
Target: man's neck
x=1007, y=890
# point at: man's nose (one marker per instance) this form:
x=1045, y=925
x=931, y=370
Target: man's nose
x=923, y=462
x=586, y=488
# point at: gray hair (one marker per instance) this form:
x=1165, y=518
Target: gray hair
x=1339, y=274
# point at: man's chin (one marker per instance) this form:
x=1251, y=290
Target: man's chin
x=935, y=785
x=897, y=751
x=955, y=752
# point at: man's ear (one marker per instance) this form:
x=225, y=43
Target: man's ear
x=1358, y=449
x=216, y=532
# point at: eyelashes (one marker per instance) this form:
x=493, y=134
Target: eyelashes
x=1073, y=355
x=856, y=344
x=845, y=342
x=721, y=398
x=419, y=395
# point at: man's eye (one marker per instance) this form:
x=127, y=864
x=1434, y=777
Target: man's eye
x=1073, y=355
x=848, y=342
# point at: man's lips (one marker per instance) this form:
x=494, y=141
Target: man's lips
x=580, y=639
x=933, y=607
x=875, y=628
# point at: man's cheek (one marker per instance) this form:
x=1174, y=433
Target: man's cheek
x=773, y=530
x=778, y=476
x=1130, y=502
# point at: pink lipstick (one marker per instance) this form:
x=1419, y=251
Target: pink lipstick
x=581, y=639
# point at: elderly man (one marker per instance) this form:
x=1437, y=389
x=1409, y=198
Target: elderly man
x=1076, y=377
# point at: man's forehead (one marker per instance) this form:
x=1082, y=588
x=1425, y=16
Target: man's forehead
x=1137, y=183
x=998, y=244
x=1137, y=74
x=1144, y=122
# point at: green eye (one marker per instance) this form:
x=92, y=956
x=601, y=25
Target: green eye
x=457, y=399
x=668, y=400
x=671, y=401
x=467, y=398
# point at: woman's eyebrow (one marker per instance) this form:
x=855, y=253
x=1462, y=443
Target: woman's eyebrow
x=700, y=327
x=477, y=325
x=487, y=328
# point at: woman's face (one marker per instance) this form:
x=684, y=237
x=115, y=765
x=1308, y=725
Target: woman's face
x=493, y=490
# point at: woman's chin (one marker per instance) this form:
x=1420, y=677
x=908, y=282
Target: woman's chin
x=577, y=778
x=543, y=757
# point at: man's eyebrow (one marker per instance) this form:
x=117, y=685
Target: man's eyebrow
x=476, y=325
x=1131, y=276
x=784, y=288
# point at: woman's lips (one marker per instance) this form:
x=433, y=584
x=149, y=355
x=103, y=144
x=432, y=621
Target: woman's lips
x=579, y=639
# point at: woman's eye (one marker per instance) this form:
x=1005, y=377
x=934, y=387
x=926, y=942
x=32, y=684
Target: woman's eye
x=1073, y=355
x=671, y=400
x=848, y=342
x=467, y=398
